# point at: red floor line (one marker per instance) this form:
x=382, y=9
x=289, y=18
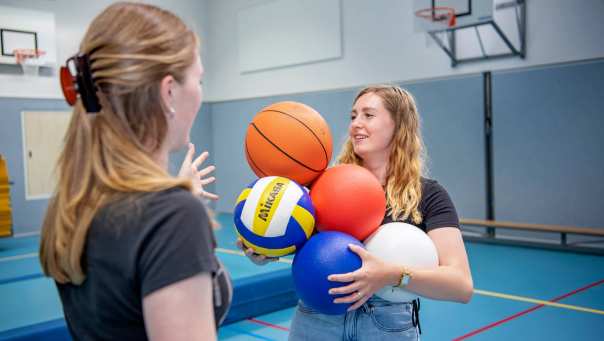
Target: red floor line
x=509, y=318
x=268, y=324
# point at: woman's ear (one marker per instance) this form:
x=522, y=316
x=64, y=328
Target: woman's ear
x=165, y=90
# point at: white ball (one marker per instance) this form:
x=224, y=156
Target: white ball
x=405, y=245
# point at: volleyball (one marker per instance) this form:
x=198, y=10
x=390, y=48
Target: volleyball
x=274, y=216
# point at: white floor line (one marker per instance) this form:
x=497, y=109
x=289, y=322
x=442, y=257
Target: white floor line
x=18, y=257
x=26, y=234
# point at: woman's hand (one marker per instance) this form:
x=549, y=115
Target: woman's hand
x=199, y=178
x=373, y=275
x=254, y=257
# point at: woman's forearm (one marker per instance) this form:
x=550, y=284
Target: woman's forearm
x=442, y=283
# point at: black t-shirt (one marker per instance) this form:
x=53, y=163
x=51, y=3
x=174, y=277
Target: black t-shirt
x=136, y=245
x=436, y=208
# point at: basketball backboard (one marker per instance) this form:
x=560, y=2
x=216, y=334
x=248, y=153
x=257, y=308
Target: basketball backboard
x=27, y=29
x=466, y=12
x=481, y=29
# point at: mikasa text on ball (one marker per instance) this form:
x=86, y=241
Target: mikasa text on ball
x=274, y=216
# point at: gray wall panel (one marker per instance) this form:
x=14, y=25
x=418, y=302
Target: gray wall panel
x=548, y=145
x=452, y=124
x=230, y=121
x=452, y=115
x=27, y=214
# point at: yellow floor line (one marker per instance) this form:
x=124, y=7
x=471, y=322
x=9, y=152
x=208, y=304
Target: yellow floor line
x=476, y=291
x=532, y=300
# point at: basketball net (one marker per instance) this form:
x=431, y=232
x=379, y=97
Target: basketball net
x=445, y=15
x=30, y=60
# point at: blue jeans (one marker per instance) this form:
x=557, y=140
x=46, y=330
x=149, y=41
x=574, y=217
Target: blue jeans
x=376, y=320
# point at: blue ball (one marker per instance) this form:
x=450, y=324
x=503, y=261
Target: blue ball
x=325, y=253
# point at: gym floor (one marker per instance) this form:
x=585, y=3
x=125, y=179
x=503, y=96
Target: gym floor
x=520, y=294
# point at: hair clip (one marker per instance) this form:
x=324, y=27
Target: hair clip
x=81, y=83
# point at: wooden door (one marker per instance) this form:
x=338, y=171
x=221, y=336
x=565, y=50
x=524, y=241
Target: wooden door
x=43, y=134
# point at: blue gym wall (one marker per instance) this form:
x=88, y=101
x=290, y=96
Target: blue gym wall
x=452, y=122
x=548, y=159
x=451, y=112
x=201, y=136
x=230, y=120
x=548, y=141
x=28, y=214
x=549, y=145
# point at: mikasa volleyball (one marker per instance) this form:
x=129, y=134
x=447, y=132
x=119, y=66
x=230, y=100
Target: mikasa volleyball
x=274, y=216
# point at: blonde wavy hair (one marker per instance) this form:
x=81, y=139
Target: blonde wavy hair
x=406, y=163
x=132, y=47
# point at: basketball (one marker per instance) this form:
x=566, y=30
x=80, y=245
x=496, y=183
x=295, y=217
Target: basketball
x=406, y=245
x=288, y=139
x=325, y=254
x=348, y=198
x=274, y=216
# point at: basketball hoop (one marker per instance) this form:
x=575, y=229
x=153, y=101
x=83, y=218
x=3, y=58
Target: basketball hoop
x=438, y=14
x=30, y=60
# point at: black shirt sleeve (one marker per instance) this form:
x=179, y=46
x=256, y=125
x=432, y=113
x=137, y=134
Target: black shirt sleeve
x=437, y=207
x=178, y=243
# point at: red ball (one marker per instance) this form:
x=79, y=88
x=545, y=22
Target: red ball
x=350, y=199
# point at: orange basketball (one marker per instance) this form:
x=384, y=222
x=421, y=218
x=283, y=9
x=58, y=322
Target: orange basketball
x=348, y=198
x=288, y=139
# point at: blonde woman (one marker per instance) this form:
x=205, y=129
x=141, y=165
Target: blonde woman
x=384, y=137
x=130, y=247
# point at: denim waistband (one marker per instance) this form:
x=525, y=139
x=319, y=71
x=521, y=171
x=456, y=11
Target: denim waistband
x=414, y=306
x=377, y=302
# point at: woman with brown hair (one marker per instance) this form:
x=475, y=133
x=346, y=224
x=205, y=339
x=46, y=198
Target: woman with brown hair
x=131, y=247
x=384, y=137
